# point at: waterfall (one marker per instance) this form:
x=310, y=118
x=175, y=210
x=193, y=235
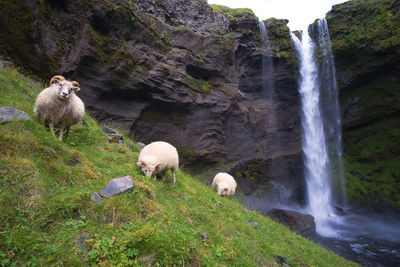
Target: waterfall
x=314, y=142
x=267, y=63
x=330, y=112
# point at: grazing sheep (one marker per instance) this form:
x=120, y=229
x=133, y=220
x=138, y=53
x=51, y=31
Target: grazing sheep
x=58, y=106
x=157, y=158
x=224, y=184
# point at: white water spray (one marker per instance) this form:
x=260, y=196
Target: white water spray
x=314, y=145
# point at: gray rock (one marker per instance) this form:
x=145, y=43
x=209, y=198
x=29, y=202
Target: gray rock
x=12, y=114
x=117, y=186
x=80, y=242
x=140, y=145
x=253, y=223
x=205, y=236
x=111, y=131
x=246, y=210
x=283, y=261
x=96, y=198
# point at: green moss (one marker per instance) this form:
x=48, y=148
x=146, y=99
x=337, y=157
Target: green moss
x=232, y=13
x=372, y=163
x=372, y=25
x=198, y=85
x=166, y=43
x=279, y=38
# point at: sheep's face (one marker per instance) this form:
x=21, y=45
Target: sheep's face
x=148, y=168
x=64, y=88
x=222, y=189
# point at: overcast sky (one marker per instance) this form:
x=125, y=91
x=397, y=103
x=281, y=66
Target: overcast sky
x=300, y=13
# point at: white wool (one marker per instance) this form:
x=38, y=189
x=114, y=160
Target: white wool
x=157, y=158
x=51, y=110
x=224, y=184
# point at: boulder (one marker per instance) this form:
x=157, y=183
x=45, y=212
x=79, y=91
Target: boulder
x=117, y=186
x=302, y=224
x=12, y=114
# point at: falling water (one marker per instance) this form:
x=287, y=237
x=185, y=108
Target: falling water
x=267, y=62
x=329, y=103
x=314, y=145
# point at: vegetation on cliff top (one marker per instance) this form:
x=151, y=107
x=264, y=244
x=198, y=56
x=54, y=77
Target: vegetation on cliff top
x=232, y=14
x=279, y=38
x=47, y=218
x=375, y=27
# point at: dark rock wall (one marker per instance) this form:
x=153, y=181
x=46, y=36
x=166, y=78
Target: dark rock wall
x=165, y=70
x=366, y=44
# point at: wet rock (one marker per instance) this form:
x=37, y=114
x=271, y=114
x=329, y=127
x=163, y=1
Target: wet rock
x=339, y=210
x=12, y=114
x=117, y=186
x=96, y=198
x=302, y=224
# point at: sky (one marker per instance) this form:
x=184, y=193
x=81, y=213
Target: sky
x=300, y=13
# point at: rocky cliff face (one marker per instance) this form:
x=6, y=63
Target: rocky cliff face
x=175, y=70
x=365, y=40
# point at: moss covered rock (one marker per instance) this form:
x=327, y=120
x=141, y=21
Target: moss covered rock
x=365, y=38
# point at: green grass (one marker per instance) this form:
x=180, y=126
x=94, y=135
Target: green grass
x=45, y=189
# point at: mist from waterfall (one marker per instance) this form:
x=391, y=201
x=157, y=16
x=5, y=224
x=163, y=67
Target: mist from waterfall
x=317, y=175
x=329, y=104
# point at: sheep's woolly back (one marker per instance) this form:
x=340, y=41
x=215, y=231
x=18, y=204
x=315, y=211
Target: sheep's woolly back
x=50, y=109
x=224, y=178
x=160, y=153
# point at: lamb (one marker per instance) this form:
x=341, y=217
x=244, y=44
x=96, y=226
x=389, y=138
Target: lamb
x=224, y=184
x=157, y=158
x=58, y=106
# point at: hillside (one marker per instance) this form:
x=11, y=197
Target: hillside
x=47, y=218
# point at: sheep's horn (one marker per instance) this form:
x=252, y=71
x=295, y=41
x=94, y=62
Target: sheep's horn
x=74, y=83
x=57, y=78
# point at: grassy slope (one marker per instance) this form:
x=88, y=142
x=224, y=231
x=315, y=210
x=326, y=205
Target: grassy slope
x=45, y=205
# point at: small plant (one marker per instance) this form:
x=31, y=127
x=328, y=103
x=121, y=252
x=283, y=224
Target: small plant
x=165, y=41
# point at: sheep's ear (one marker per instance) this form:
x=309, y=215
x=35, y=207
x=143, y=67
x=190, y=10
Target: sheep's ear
x=76, y=87
x=57, y=79
x=157, y=167
x=140, y=163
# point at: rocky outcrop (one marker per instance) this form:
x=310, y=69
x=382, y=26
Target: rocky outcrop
x=175, y=70
x=302, y=224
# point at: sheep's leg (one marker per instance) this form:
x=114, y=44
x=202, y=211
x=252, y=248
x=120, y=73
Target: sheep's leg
x=52, y=129
x=61, y=134
x=173, y=175
x=66, y=132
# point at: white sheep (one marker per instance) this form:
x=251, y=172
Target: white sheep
x=58, y=106
x=224, y=184
x=157, y=158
